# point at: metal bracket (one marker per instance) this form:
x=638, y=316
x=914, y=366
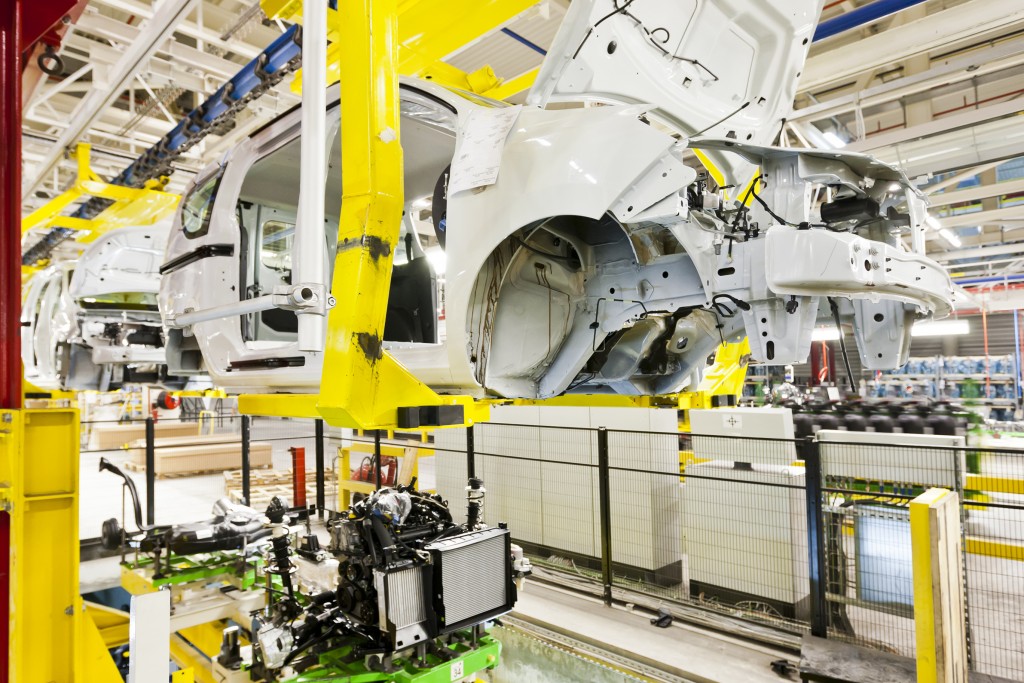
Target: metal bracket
x=304, y=297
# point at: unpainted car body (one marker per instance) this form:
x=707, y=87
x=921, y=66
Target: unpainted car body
x=89, y=323
x=598, y=260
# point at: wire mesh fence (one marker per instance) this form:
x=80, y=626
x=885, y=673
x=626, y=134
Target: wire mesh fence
x=799, y=535
x=993, y=523
x=749, y=528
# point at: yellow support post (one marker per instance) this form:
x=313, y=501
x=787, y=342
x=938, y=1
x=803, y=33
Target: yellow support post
x=51, y=638
x=939, y=616
x=724, y=378
x=363, y=386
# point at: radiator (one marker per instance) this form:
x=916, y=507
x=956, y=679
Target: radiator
x=471, y=577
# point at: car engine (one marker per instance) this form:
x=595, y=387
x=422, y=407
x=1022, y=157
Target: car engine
x=403, y=582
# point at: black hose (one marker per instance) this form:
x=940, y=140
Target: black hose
x=842, y=341
x=132, y=491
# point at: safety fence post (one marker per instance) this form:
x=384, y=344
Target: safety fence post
x=470, y=453
x=376, y=458
x=605, y=501
x=816, y=570
x=150, y=472
x=321, y=502
x=939, y=600
x=246, y=438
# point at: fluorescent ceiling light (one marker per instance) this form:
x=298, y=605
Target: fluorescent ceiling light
x=825, y=334
x=941, y=328
x=933, y=223
x=931, y=328
x=437, y=258
x=951, y=237
x=833, y=139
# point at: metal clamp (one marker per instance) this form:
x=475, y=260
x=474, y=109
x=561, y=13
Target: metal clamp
x=303, y=298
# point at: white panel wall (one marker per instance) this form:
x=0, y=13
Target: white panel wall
x=746, y=537
x=554, y=502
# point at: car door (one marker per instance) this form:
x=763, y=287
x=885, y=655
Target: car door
x=721, y=68
x=30, y=318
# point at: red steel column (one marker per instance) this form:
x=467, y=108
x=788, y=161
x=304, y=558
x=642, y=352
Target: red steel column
x=10, y=206
x=298, y=476
x=10, y=270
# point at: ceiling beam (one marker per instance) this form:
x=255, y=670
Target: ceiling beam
x=970, y=20
x=979, y=252
x=958, y=178
x=975, y=193
x=978, y=63
x=134, y=58
x=182, y=54
x=1013, y=214
x=966, y=119
x=187, y=28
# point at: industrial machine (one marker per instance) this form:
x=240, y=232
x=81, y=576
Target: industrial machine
x=393, y=589
x=616, y=267
x=93, y=322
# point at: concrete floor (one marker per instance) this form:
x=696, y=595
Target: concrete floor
x=692, y=653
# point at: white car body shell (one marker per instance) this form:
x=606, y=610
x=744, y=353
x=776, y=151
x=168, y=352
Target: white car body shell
x=522, y=325
x=64, y=306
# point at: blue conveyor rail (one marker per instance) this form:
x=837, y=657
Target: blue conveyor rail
x=266, y=70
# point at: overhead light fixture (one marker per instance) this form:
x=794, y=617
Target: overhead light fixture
x=951, y=237
x=933, y=223
x=941, y=328
x=833, y=139
x=437, y=258
x=825, y=334
x=931, y=328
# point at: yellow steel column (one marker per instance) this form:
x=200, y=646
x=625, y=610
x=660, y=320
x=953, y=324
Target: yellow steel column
x=361, y=385
x=50, y=638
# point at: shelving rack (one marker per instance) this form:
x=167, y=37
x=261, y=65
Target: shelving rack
x=939, y=383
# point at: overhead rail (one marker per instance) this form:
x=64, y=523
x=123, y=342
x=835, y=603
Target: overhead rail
x=266, y=70
x=861, y=16
x=283, y=57
x=122, y=206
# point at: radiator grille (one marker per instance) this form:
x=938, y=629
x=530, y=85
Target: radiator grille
x=405, y=598
x=473, y=578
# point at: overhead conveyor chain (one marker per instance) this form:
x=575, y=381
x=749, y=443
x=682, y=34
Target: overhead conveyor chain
x=41, y=250
x=266, y=70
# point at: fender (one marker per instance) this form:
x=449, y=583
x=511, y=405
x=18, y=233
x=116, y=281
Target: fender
x=551, y=166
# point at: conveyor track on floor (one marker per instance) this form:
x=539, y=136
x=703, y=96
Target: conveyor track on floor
x=631, y=667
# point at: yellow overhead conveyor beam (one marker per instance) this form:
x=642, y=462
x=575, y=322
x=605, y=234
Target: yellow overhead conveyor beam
x=427, y=32
x=131, y=206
